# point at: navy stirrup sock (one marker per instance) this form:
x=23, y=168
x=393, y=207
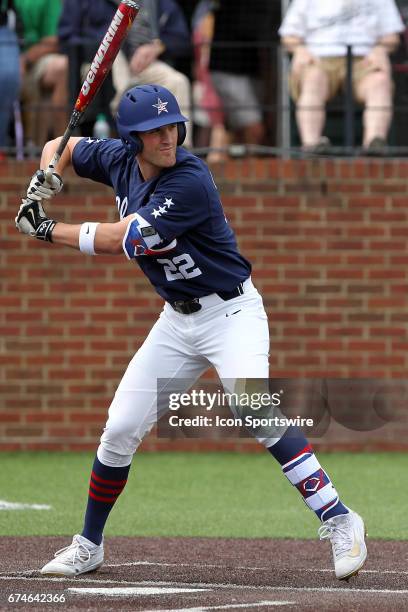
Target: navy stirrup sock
x=302, y=469
x=105, y=486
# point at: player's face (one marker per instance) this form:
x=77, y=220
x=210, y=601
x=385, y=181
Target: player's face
x=159, y=147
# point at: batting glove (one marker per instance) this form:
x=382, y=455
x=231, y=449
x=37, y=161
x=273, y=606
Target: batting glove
x=40, y=189
x=32, y=220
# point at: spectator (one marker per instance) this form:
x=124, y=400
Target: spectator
x=208, y=109
x=9, y=69
x=236, y=64
x=81, y=26
x=317, y=32
x=400, y=75
x=44, y=69
x=158, y=37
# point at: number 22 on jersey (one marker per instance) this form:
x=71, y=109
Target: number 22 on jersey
x=180, y=267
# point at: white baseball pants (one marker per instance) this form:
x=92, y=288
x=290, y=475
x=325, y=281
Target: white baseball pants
x=232, y=336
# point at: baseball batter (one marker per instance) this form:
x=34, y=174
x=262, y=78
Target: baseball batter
x=172, y=225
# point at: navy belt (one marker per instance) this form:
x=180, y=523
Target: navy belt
x=190, y=306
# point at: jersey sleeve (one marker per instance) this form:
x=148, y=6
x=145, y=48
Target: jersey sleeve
x=99, y=160
x=294, y=22
x=180, y=203
x=389, y=18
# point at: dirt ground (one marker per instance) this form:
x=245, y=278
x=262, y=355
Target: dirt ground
x=196, y=575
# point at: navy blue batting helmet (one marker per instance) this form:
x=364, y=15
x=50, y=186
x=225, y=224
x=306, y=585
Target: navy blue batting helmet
x=147, y=107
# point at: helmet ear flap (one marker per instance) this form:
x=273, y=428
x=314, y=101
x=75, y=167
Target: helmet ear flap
x=135, y=145
x=138, y=144
x=182, y=132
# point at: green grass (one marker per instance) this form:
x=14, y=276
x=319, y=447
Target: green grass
x=213, y=495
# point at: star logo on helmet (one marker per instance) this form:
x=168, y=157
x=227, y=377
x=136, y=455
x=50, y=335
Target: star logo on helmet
x=161, y=106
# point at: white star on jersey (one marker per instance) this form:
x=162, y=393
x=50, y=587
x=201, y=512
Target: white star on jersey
x=94, y=140
x=162, y=209
x=161, y=106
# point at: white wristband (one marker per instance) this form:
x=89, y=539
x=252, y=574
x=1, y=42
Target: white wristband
x=87, y=238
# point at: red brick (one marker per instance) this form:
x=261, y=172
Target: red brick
x=303, y=273
x=88, y=417
x=301, y=331
x=345, y=245
x=345, y=359
x=324, y=345
x=390, y=273
x=9, y=417
x=393, y=302
x=322, y=317
x=366, y=345
x=44, y=417
x=345, y=274
x=390, y=360
x=344, y=331
x=367, y=202
x=387, y=187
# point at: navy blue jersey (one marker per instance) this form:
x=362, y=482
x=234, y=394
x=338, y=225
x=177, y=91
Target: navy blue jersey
x=183, y=206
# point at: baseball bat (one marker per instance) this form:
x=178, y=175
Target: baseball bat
x=100, y=66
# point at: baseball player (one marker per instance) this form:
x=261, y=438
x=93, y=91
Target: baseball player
x=172, y=225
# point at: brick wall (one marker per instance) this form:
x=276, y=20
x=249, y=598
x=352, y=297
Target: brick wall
x=328, y=241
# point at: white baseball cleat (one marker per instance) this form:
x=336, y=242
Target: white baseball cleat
x=79, y=557
x=346, y=534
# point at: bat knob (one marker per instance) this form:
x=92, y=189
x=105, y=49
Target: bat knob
x=48, y=174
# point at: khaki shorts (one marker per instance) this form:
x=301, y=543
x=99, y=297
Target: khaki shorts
x=40, y=67
x=336, y=71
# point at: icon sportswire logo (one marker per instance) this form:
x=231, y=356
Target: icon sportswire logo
x=100, y=54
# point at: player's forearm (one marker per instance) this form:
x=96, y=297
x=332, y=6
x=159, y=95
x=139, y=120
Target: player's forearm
x=108, y=237
x=66, y=158
x=48, y=152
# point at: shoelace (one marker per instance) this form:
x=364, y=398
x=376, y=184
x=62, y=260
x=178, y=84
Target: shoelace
x=339, y=534
x=76, y=550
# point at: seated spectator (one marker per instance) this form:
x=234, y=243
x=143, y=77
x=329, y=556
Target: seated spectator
x=158, y=36
x=208, y=109
x=235, y=65
x=317, y=32
x=9, y=69
x=44, y=69
x=81, y=27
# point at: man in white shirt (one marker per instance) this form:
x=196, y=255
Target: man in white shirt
x=318, y=32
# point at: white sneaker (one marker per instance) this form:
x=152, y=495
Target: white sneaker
x=79, y=557
x=346, y=534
